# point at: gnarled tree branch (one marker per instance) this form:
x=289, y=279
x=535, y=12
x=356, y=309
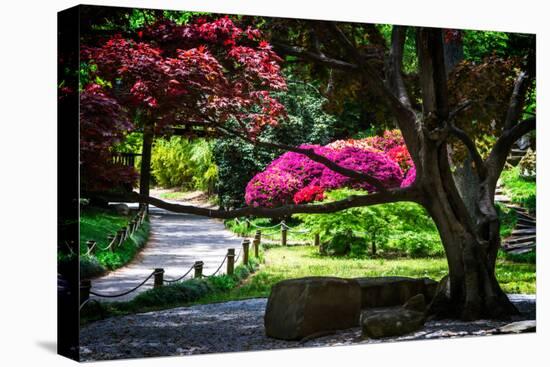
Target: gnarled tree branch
x=516, y=101
x=469, y=143
x=404, y=115
x=312, y=56
x=406, y=194
x=394, y=65
x=497, y=157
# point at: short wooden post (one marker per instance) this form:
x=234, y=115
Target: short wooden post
x=198, y=269
x=121, y=237
x=85, y=286
x=91, y=246
x=259, y=235
x=110, y=239
x=317, y=241
x=159, y=278
x=256, y=244
x=230, y=261
x=283, y=233
x=246, y=246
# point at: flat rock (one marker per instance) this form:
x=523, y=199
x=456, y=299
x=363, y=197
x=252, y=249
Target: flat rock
x=392, y=321
x=525, y=326
x=298, y=308
x=394, y=291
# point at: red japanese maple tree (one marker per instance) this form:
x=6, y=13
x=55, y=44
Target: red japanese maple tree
x=205, y=73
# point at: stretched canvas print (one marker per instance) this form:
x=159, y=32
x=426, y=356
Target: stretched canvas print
x=231, y=183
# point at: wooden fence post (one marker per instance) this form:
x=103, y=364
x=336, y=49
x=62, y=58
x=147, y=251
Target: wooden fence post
x=198, y=269
x=259, y=235
x=111, y=238
x=85, y=286
x=256, y=244
x=230, y=261
x=246, y=246
x=317, y=241
x=159, y=278
x=283, y=233
x=121, y=236
x=91, y=246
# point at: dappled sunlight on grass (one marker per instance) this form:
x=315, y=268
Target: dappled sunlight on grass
x=301, y=261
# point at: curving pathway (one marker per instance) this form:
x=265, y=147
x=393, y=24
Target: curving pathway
x=176, y=241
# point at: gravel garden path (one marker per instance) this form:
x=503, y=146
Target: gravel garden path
x=176, y=241
x=238, y=326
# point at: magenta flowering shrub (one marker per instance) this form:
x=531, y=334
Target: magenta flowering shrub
x=272, y=187
x=389, y=140
x=372, y=163
x=308, y=172
x=295, y=178
x=410, y=177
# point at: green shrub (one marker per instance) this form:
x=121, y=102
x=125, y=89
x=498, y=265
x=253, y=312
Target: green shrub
x=338, y=245
x=180, y=162
x=417, y=244
x=181, y=292
x=396, y=228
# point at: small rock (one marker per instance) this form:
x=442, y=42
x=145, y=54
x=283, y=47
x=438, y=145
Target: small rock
x=527, y=326
x=416, y=303
x=386, y=322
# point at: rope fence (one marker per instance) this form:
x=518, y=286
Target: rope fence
x=117, y=239
x=159, y=280
x=230, y=259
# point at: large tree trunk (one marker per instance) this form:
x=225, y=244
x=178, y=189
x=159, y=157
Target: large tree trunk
x=471, y=240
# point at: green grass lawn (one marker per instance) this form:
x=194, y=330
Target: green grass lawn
x=175, y=195
x=280, y=263
x=96, y=224
x=522, y=192
x=300, y=261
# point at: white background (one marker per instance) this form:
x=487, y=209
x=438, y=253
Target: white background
x=28, y=181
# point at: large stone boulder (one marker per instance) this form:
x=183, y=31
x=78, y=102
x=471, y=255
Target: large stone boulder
x=394, y=291
x=302, y=307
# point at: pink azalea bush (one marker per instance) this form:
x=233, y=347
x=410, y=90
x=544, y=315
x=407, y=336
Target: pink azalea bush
x=272, y=187
x=295, y=178
x=375, y=164
x=390, y=139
